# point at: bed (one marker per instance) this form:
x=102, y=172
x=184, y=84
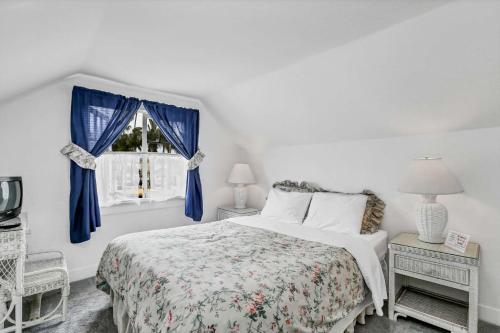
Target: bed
x=378, y=241
x=246, y=274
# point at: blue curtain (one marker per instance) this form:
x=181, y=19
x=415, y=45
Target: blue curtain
x=97, y=119
x=181, y=127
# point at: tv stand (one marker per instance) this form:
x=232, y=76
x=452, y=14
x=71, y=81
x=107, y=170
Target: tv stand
x=12, y=257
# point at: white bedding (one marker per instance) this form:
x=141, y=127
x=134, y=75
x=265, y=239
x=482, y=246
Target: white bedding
x=361, y=249
x=378, y=241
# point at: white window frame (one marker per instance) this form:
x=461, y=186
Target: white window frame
x=144, y=203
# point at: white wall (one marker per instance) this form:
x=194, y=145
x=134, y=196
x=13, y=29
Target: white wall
x=33, y=129
x=378, y=164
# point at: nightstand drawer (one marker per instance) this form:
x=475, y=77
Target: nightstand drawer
x=226, y=215
x=223, y=214
x=444, y=272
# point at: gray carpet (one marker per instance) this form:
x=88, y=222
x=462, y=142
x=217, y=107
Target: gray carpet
x=90, y=312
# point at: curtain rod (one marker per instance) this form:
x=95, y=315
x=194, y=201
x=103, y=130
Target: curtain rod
x=128, y=85
x=30, y=89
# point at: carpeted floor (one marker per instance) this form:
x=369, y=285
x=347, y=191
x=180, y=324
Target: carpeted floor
x=90, y=312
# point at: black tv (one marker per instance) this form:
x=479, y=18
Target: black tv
x=11, y=197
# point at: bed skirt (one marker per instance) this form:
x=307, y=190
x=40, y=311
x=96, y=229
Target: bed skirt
x=120, y=313
x=345, y=325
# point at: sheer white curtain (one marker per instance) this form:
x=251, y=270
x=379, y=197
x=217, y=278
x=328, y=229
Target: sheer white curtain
x=117, y=177
x=167, y=176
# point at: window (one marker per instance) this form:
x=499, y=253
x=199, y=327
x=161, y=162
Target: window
x=141, y=165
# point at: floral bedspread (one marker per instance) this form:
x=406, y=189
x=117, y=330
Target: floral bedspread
x=226, y=277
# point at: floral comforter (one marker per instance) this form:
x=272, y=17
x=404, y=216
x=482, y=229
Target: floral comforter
x=227, y=277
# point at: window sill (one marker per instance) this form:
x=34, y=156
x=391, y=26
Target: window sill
x=139, y=205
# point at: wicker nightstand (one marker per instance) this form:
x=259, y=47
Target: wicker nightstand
x=436, y=263
x=226, y=212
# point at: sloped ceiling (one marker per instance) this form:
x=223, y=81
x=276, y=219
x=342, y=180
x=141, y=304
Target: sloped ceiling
x=329, y=70
x=187, y=47
x=435, y=73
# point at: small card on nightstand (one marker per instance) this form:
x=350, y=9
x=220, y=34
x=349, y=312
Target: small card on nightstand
x=457, y=241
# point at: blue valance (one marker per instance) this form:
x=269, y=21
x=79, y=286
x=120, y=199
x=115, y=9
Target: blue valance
x=97, y=119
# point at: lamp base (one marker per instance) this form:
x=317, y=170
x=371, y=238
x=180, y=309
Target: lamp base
x=432, y=218
x=240, y=196
x=438, y=240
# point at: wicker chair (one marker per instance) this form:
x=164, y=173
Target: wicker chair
x=43, y=272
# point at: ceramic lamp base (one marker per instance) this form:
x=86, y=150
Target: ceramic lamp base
x=240, y=196
x=432, y=218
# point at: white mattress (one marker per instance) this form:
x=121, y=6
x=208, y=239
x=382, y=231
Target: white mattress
x=378, y=241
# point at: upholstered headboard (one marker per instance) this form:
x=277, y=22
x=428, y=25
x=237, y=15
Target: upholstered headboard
x=374, y=212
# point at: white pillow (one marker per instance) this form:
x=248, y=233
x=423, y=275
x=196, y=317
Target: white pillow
x=290, y=207
x=337, y=212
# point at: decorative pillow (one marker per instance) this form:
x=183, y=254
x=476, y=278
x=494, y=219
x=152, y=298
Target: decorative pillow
x=337, y=212
x=290, y=186
x=374, y=211
x=288, y=206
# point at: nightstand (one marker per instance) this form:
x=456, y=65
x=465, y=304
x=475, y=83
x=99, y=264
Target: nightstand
x=436, y=263
x=226, y=212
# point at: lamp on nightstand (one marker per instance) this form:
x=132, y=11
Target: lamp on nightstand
x=241, y=174
x=430, y=177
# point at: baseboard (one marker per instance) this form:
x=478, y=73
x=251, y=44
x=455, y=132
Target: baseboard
x=82, y=273
x=489, y=314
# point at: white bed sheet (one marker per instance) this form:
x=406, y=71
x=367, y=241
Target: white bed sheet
x=360, y=249
x=378, y=241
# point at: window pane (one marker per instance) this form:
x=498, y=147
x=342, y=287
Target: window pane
x=131, y=138
x=117, y=177
x=157, y=143
x=98, y=119
x=119, y=172
x=167, y=176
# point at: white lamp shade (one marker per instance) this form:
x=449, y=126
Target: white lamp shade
x=241, y=174
x=429, y=176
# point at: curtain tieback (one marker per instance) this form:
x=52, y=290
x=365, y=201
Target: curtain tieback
x=196, y=160
x=79, y=155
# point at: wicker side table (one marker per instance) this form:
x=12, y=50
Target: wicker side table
x=12, y=256
x=438, y=264
x=226, y=212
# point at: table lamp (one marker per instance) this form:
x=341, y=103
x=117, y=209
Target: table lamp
x=430, y=177
x=241, y=174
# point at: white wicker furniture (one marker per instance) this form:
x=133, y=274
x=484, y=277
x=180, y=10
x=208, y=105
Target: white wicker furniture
x=410, y=258
x=35, y=274
x=12, y=256
x=226, y=212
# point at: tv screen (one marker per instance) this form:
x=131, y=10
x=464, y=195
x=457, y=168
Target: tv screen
x=11, y=197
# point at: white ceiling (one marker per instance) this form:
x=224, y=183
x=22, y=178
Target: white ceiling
x=187, y=47
x=275, y=71
x=435, y=73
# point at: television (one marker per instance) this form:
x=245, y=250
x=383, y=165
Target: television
x=11, y=197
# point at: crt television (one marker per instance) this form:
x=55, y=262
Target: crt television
x=11, y=197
